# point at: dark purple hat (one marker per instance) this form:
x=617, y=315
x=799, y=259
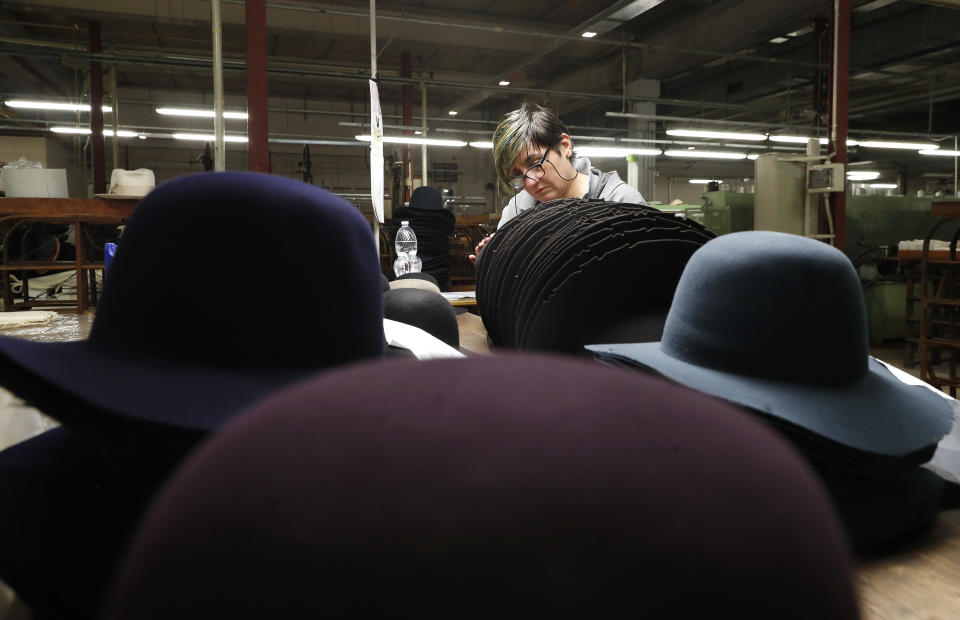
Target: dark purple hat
x=570, y=491
x=776, y=323
x=170, y=344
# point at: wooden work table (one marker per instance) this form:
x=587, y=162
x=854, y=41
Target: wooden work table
x=77, y=212
x=65, y=207
x=919, y=580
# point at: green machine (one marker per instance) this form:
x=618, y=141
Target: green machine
x=727, y=212
x=883, y=221
x=875, y=226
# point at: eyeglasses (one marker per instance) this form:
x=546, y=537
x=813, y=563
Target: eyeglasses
x=534, y=173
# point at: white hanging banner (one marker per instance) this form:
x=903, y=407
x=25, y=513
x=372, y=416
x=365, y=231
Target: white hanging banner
x=376, y=152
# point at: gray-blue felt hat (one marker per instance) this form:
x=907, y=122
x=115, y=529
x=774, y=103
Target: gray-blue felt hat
x=776, y=323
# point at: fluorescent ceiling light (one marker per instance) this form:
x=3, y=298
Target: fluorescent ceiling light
x=411, y=140
x=884, y=185
x=50, y=105
x=606, y=151
x=202, y=113
x=752, y=156
x=910, y=146
x=795, y=139
x=123, y=133
x=706, y=154
x=704, y=181
x=779, y=40
x=941, y=153
x=504, y=82
x=482, y=145
x=862, y=175
x=452, y=112
x=723, y=135
x=588, y=34
x=202, y=137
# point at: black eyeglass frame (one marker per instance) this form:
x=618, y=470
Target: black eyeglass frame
x=518, y=182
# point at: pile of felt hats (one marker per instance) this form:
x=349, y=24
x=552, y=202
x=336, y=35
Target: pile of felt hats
x=573, y=272
x=776, y=323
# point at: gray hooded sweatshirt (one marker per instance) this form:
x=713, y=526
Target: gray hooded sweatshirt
x=603, y=185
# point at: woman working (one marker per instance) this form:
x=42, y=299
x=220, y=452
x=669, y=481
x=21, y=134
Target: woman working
x=533, y=155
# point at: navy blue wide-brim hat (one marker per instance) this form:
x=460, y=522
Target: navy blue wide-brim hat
x=571, y=491
x=224, y=288
x=776, y=322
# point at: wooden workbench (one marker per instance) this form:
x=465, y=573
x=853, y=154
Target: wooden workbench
x=77, y=212
x=920, y=580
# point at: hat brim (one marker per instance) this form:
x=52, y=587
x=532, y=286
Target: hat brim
x=85, y=386
x=877, y=413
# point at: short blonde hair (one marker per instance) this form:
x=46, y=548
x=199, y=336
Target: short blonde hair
x=530, y=124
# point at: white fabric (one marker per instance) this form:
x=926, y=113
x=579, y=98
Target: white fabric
x=946, y=459
x=420, y=343
x=19, y=422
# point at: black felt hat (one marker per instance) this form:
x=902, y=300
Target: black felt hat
x=776, y=322
x=426, y=197
x=567, y=272
x=569, y=491
x=428, y=310
x=169, y=345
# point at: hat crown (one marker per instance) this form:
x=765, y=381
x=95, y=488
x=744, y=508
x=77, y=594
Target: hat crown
x=198, y=245
x=772, y=305
x=426, y=197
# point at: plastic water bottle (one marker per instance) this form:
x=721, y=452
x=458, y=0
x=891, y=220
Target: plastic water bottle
x=406, y=247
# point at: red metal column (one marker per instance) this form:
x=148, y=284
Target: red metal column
x=841, y=68
x=96, y=114
x=257, y=130
x=406, y=70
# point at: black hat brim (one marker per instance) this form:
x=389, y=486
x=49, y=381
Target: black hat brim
x=85, y=386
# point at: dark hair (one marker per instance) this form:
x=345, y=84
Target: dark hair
x=529, y=124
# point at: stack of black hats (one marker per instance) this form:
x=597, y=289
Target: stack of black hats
x=572, y=272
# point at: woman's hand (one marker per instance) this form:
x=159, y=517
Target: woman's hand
x=483, y=242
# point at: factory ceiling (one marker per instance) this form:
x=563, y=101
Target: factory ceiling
x=733, y=61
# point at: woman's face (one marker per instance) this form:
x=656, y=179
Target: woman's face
x=558, y=172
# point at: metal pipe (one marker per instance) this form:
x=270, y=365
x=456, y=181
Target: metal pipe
x=258, y=152
x=576, y=37
x=115, y=141
x=219, y=156
x=277, y=69
x=406, y=97
x=838, y=120
x=423, y=147
x=811, y=211
x=96, y=112
x=373, y=76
